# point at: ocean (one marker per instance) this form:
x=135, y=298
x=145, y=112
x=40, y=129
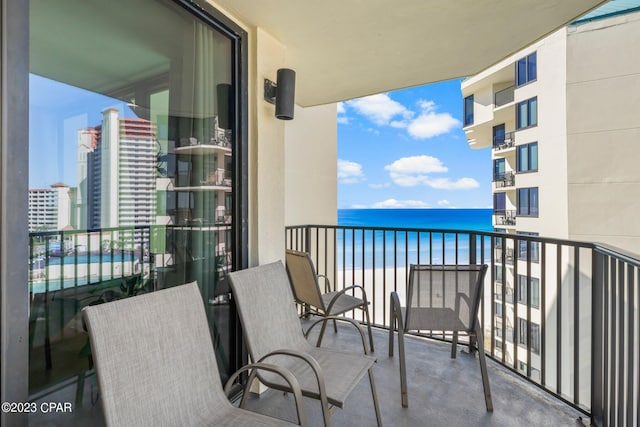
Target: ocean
x=442, y=219
x=368, y=249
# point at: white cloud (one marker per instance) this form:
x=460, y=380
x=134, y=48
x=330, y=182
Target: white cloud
x=343, y=120
x=447, y=184
x=429, y=123
x=416, y=170
x=412, y=171
x=393, y=203
x=350, y=172
x=444, y=203
x=380, y=109
x=417, y=164
x=384, y=111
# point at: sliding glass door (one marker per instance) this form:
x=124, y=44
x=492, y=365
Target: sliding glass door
x=136, y=145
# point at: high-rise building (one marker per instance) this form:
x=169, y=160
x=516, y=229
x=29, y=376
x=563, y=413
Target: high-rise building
x=117, y=173
x=561, y=118
x=51, y=208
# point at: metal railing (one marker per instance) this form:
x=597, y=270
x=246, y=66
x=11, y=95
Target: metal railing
x=505, y=179
x=570, y=327
x=502, y=142
x=507, y=217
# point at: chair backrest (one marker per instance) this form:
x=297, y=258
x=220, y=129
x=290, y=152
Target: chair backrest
x=303, y=278
x=155, y=359
x=267, y=309
x=448, y=289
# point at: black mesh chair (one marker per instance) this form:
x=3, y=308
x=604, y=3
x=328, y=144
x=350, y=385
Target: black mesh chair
x=442, y=298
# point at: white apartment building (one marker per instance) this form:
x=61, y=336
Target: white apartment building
x=561, y=118
x=117, y=173
x=50, y=208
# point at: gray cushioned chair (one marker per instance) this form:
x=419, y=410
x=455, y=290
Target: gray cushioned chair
x=156, y=364
x=273, y=334
x=306, y=290
x=443, y=298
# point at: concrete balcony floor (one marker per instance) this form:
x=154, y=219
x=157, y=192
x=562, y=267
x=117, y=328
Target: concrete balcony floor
x=442, y=392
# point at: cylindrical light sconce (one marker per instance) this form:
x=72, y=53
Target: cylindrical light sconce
x=285, y=93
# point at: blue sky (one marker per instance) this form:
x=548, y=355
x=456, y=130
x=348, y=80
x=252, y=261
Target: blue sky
x=407, y=149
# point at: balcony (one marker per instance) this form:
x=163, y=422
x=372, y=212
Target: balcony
x=583, y=363
x=503, y=97
x=504, y=142
x=582, y=351
x=505, y=218
x=504, y=180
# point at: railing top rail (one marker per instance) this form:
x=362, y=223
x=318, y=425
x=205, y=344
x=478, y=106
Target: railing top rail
x=619, y=254
x=522, y=237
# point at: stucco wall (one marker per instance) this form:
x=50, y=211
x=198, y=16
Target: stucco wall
x=292, y=164
x=311, y=166
x=603, y=128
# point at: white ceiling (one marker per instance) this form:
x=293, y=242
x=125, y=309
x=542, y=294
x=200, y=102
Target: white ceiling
x=343, y=49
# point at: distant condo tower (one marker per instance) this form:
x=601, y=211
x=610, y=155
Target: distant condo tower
x=117, y=173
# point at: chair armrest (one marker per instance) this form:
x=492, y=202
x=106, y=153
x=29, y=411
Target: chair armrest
x=342, y=319
x=284, y=373
x=313, y=364
x=342, y=292
x=327, y=282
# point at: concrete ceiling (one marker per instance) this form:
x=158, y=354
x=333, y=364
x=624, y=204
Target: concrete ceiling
x=343, y=49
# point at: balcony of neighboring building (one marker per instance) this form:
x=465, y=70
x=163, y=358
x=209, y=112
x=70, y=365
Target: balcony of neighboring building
x=493, y=104
x=505, y=181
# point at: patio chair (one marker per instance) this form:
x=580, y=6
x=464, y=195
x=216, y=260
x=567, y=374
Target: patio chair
x=306, y=290
x=156, y=364
x=441, y=298
x=273, y=333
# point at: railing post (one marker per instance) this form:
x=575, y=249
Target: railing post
x=472, y=249
x=307, y=239
x=597, y=337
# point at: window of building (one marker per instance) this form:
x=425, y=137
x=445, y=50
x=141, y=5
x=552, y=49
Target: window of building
x=499, y=135
x=527, y=158
x=527, y=113
x=525, y=245
x=526, y=69
x=522, y=331
x=523, y=290
x=468, y=110
x=499, y=169
x=499, y=203
x=498, y=309
x=533, y=342
x=527, y=201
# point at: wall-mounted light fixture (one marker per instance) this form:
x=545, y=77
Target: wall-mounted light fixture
x=282, y=93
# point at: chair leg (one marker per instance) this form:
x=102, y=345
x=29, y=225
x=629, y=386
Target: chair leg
x=322, y=329
x=375, y=397
x=366, y=313
x=335, y=326
x=483, y=369
x=454, y=344
x=403, y=369
x=392, y=325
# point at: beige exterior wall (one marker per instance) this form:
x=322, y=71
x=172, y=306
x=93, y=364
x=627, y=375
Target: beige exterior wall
x=550, y=134
x=311, y=180
x=603, y=131
x=289, y=161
